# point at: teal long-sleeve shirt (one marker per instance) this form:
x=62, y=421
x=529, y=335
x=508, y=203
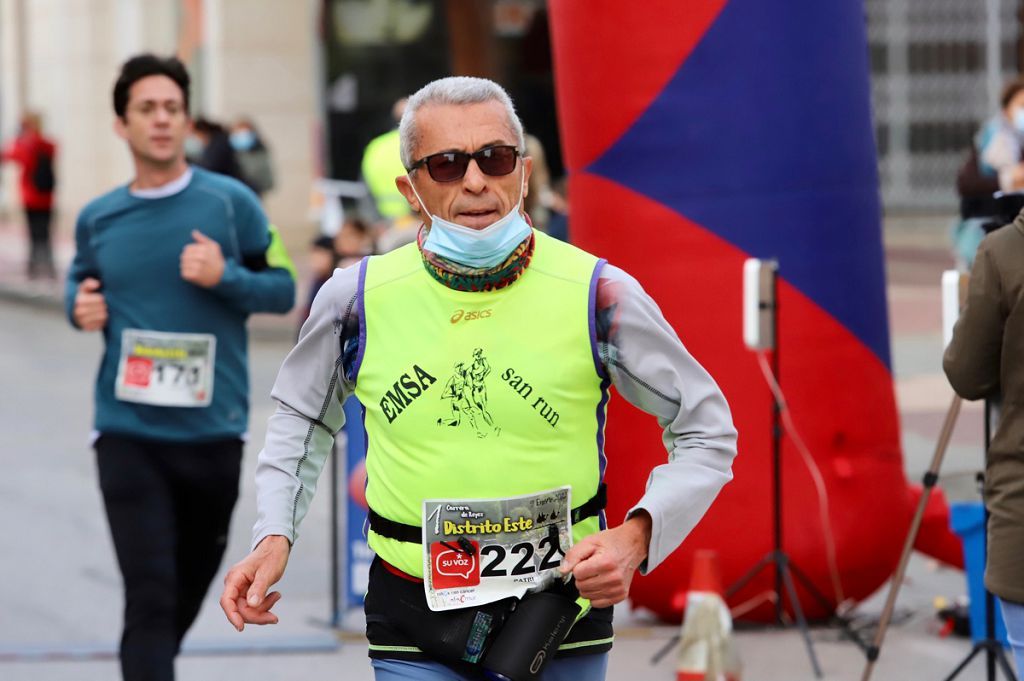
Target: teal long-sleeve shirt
x=133, y=246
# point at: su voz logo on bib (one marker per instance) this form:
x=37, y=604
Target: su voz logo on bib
x=451, y=567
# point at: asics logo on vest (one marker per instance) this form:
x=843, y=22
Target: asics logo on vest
x=407, y=388
x=463, y=316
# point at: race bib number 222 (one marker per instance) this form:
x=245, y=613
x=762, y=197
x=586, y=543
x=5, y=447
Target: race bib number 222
x=478, y=551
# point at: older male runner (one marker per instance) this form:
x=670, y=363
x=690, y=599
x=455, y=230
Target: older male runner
x=468, y=516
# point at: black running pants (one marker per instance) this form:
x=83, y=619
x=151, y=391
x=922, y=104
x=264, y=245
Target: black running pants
x=169, y=506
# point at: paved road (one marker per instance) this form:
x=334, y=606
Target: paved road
x=60, y=594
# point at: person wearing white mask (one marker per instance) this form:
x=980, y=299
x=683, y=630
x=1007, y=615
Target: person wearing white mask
x=1001, y=139
x=996, y=164
x=474, y=474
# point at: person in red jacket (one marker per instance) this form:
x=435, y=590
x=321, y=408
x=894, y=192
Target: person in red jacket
x=35, y=154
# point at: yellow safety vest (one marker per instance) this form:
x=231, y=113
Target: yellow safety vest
x=471, y=395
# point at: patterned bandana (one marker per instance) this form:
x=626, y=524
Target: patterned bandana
x=463, y=278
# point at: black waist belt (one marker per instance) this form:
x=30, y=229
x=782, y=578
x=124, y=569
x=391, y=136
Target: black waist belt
x=414, y=533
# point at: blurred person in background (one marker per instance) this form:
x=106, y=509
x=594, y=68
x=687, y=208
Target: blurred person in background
x=36, y=155
x=985, y=360
x=168, y=268
x=253, y=155
x=381, y=164
x=352, y=243
x=995, y=162
x=558, y=224
x=542, y=202
x=209, y=147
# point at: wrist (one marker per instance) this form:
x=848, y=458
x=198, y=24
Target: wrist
x=640, y=524
x=226, y=279
x=274, y=542
x=219, y=270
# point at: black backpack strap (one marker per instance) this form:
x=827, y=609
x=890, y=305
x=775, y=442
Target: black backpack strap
x=413, y=533
x=591, y=506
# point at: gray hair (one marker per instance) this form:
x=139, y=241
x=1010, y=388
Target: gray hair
x=454, y=90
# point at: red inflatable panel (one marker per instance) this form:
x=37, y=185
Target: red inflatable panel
x=853, y=438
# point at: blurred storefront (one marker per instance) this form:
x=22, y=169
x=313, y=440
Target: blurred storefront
x=319, y=77
x=256, y=58
x=377, y=51
x=937, y=69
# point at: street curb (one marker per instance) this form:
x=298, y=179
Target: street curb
x=38, y=299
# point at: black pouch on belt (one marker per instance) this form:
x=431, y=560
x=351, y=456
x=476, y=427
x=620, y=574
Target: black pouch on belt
x=532, y=634
x=451, y=636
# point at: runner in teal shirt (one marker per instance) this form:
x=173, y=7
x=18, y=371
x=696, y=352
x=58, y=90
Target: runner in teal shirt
x=168, y=268
x=132, y=241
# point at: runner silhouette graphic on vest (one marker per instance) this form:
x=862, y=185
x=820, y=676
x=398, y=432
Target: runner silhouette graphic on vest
x=468, y=394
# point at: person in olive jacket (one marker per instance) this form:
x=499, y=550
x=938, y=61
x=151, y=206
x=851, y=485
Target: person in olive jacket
x=985, y=359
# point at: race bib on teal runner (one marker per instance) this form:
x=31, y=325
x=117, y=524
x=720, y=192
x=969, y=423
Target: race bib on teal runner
x=477, y=551
x=166, y=369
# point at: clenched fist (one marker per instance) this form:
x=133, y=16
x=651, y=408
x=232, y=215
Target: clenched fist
x=90, y=311
x=202, y=262
x=603, y=563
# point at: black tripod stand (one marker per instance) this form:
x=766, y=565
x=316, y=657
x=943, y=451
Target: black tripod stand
x=993, y=649
x=994, y=653
x=784, y=569
x=787, y=574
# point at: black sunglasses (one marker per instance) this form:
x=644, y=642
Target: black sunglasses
x=448, y=166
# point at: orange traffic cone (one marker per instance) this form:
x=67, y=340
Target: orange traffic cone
x=706, y=650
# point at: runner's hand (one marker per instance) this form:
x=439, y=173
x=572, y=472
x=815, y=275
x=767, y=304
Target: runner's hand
x=202, y=262
x=245, y=598
x=603, y=564
x=90, y=310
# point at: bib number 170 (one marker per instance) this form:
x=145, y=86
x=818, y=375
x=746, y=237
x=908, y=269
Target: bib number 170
x=175, y=373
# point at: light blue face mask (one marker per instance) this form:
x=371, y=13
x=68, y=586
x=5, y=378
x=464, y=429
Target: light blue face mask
x=243, y=140
x=480, y=248
x=1018, y=121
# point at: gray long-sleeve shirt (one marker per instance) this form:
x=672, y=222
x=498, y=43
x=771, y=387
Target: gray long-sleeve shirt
x=645, y=359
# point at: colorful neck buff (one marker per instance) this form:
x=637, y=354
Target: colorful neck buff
x=464, y=278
